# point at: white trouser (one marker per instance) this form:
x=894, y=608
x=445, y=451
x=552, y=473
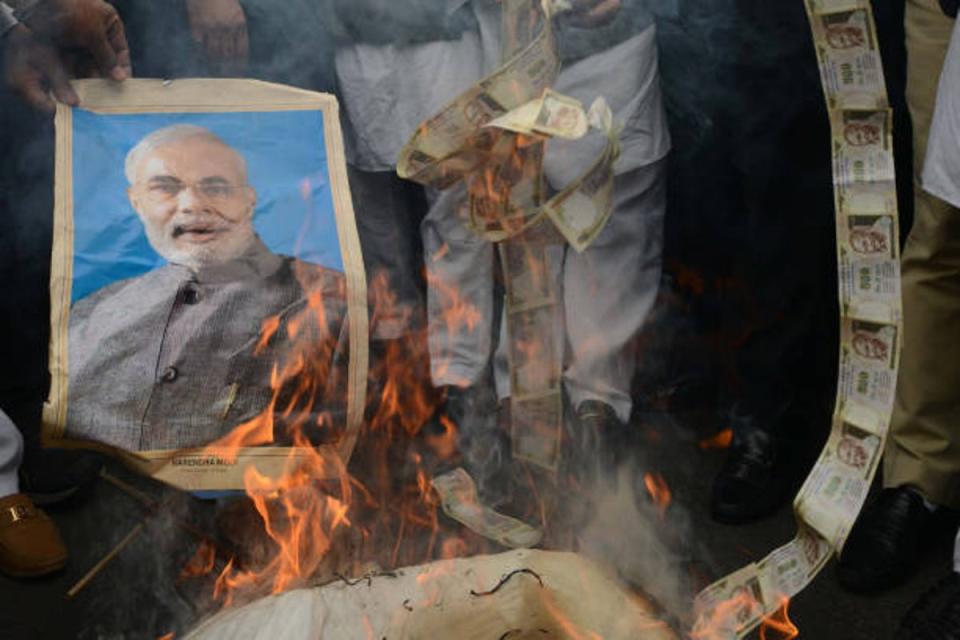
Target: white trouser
x=11, y=453
x=606, y=292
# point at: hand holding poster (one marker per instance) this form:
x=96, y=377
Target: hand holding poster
x=207, y=290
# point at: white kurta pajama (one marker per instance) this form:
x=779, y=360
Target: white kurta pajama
x=609, y=289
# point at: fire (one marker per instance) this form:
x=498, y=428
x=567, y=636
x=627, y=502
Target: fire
x=730, y=616
x=300, y=518
x=324, y=518
x=202, y=563
x=727, y=617
x=721, y=440
x=778, y=625
x=459, y=314
x=659, y=492
x=319, y=518
x=563, y=623
x=445, y=443
x=440, y=253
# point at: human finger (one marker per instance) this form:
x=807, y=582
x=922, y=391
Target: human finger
x=58, y=79
x=116, y=35
x=243, y=44
x=210, y=45
x=217, y=45
x=228, y=37
x=29, y=84
x=98, y=44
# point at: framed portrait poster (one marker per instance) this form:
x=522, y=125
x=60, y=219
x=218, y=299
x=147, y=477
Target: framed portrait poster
x=208, y=302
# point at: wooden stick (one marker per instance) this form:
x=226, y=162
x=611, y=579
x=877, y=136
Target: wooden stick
x=152, y=506
x=147, y=501
x=100, y=566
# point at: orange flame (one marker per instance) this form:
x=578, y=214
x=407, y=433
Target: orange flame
x=322, y=519
x=569, y=628
x=659, y=491
x=778, y=625
x=318, y=519
x=721, y=440
x=726, y=617
x=202, y=562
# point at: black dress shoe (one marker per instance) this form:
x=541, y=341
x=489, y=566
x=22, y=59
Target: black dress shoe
x=884, y=544
x=936, y=615
x=752, y=483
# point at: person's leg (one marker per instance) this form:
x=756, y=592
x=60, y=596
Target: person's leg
x=460, y=314
x=785, y=361
x=922, y=459
x=924, y=448
x=780, y=307
x=26, y=228
x=609, y=290
x=459, y=270
x=26, y=222
x=30, y=544
x=388, y=212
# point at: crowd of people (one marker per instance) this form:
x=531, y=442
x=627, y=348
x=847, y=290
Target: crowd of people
x=747, y=200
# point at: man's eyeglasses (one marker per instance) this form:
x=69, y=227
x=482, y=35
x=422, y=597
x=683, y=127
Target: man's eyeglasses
x=211, y=190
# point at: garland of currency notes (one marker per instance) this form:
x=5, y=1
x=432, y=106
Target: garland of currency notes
x=830, y=499
x=493, y=138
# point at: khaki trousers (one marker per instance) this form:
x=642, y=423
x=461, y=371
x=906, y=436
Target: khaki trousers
x=924, y=446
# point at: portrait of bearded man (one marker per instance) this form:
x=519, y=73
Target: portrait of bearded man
x=178, y=356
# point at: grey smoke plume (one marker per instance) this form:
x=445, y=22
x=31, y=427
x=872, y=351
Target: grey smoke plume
x=627, y=531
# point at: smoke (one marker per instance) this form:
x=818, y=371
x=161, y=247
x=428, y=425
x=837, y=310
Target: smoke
x=702, y=43
x=628, y=531
x=139, y=594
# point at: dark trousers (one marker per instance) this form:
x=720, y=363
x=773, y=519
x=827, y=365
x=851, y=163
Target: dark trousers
x=751, y=212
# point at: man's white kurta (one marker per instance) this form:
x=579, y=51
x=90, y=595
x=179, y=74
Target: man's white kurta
x=609, y=289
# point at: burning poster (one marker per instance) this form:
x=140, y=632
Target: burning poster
x=207, y=292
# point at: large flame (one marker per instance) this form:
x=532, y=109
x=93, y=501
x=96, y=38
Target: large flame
x=379, y=513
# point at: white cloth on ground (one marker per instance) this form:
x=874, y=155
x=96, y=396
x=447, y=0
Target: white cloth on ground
x=11, y=454
x=941, y=170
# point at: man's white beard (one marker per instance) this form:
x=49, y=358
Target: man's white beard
x=229, y=247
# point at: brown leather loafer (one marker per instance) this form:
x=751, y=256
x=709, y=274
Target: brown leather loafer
x=30, y=544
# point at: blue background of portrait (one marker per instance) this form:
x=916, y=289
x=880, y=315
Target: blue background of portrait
x=287, y=165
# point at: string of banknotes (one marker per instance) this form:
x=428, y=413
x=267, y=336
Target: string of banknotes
x=830, y=499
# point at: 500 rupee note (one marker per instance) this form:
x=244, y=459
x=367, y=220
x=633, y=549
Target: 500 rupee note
x=459, y=499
